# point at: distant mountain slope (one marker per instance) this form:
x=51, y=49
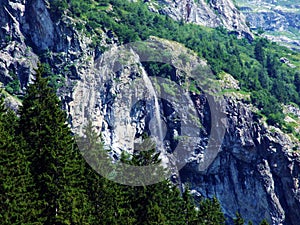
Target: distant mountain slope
x=280, y=19
x=212, y=13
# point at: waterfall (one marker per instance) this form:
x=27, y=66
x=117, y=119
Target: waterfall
x=150, y=87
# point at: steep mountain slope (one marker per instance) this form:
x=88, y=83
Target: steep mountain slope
x=207, y=13
x=256, y=171
x=279, y=19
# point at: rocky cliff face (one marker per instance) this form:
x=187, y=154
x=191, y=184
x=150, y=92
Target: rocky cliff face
x=28, y=32
x=279, y=19
x=212, y=13
x=255, y=171
x=16, y=57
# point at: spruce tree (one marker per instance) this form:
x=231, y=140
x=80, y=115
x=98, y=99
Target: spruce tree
x=210, y=212
x=108, y=198
x=238, y=220
x=189, y=207
x=19, y=203
x=56, y=163
x=259, y=52
x=264, y=222
x=158, y=203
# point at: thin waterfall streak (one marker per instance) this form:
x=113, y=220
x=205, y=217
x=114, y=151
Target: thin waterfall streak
x=151, y=89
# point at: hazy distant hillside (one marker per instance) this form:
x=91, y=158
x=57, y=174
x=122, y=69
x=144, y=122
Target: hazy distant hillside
x=280, y=19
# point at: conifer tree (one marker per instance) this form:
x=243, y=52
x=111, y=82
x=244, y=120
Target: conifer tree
x=264, y=222
x=158, y=203
x=108, y=198
x=259, y=52
x=238, y=220
x=210, y=212
x=19, y=203
x=56, y=163
x=189, y=207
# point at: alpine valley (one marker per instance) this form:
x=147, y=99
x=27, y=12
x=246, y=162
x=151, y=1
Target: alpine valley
x=254, y=172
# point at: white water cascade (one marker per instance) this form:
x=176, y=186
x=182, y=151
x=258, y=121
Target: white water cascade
x=151, y=89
